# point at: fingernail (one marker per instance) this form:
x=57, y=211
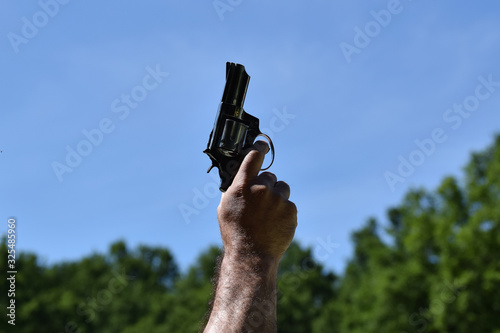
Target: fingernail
x=262, y=146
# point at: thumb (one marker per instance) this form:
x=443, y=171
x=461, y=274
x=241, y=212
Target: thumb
x=252, y=163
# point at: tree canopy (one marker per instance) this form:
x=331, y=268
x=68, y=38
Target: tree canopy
x=433, y=266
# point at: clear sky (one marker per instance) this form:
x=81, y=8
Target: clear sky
x=106, y=107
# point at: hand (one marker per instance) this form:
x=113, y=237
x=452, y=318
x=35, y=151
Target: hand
x=255, y=215
x=257, y=224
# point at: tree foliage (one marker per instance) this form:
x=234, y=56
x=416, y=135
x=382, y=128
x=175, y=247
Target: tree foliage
x=432, y=267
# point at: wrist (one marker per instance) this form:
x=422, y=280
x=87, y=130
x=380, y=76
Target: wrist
x=251, y=262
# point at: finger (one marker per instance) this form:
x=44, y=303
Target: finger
x=252, y=162
x=267, y=178
x=283, y=189
x=259, y=143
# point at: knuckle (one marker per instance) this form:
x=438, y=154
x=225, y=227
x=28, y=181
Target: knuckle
x=292, y=208
x=260, y=190
x=268, y=174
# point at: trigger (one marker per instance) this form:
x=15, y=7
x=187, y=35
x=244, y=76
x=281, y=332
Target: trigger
x=272, y=149
x=211, y=167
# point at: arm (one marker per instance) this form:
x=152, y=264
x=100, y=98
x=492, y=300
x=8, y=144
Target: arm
x=257, y=223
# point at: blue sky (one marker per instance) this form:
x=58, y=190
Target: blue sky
x=341, y=105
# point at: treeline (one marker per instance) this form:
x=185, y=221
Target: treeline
x=437, y=270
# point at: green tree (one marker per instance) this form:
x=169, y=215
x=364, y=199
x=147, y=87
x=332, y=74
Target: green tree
x=439, y=271
x=304, y=287
x=96, y=294
x=433, y=268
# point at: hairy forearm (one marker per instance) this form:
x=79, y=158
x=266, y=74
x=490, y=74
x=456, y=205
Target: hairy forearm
x=245, y=297
x=257, y=223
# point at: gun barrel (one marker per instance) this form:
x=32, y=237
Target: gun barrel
x=237, y=81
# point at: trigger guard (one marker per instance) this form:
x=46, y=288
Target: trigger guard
x=272, y=149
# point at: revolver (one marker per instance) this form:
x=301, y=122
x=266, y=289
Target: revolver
x=234, y=129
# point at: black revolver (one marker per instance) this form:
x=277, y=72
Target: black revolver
x=234, y=129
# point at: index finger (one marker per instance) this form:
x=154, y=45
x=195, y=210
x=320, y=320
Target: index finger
x=252, y=163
